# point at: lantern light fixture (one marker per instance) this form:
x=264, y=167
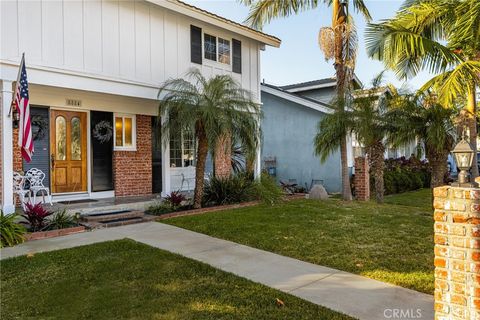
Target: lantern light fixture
x=463, y=154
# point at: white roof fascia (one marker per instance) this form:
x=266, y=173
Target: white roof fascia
x=218, y=21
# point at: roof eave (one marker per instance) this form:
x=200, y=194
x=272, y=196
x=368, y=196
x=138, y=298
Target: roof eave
x=208, y=17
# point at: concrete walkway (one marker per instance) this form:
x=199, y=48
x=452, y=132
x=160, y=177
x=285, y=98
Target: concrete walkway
x=351, y=294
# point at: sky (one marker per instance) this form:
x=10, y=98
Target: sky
x=299, y=58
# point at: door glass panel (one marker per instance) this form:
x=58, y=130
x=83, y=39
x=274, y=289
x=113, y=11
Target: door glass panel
x=76, y=144
x=118, y=132
x=61, y=138
x=128, y=132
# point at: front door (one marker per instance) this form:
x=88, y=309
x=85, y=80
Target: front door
x=68, y=147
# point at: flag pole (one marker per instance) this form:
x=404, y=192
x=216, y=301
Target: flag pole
x=16, y=86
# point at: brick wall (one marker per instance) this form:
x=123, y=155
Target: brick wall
x=457, y=253
x=362, y=179
x=132, y=170
x=17, y=153
x=222, y=161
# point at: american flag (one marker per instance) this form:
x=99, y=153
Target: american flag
x=21, y=102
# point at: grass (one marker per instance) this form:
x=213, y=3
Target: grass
x=392, y=242
x=128, y=280
x=421, y=198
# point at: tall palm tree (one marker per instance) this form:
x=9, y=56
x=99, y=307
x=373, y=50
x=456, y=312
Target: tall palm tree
x=423, y=118
x=366, y=121
x=338, y=42
x=439, y=36
x=211, y=108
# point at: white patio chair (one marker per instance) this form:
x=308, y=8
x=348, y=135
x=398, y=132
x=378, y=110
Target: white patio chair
x=19, y=188
x=35, y=178
x=186, y=180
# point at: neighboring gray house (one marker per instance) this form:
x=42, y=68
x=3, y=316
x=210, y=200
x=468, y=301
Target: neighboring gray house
x=291, y=114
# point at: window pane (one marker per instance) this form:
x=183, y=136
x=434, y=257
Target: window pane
x=210, y=47
x=128, y=132
x=76, y=145
x=118, y=132
x=224, y=51
x=188, y=149
x=61, y=138
x=175, y=151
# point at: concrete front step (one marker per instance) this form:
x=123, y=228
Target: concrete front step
x=111, y=215
x=100, y=220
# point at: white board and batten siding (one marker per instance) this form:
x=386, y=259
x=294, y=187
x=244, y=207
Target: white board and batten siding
x=117, y=47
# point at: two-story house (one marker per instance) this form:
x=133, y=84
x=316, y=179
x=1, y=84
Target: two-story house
x=94, y=68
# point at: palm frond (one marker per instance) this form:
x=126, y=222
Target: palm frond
x=453, y=84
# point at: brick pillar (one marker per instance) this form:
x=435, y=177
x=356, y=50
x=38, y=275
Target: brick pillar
x=457, y=253
x=222, y=161
x=362, y=179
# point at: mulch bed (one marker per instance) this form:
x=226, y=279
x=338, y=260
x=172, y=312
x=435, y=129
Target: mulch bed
x=221, y=208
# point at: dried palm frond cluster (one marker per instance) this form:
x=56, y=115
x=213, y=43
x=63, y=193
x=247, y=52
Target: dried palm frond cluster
x=345, y=49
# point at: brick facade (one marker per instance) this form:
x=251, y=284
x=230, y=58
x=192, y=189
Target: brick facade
x=132, y=170
x=362, y=179
x=17, y=153
x=222, y=161
x=457, y=253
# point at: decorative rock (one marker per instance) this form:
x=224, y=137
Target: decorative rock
x=318, y=192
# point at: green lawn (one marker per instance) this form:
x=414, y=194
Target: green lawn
x=392, y=242
x=128, y=280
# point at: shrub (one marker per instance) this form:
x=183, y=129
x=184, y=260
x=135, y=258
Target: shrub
x=61, y=220
x=175, y=199
x=267, y=190
x=36, y=216
x=234, y=189
x=403, y=174
x=11, y=233
x=158, y=208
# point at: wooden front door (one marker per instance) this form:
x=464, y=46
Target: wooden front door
x=68, y=148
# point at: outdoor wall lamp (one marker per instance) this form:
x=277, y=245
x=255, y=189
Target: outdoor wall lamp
x=15, y=118
x=463, y=154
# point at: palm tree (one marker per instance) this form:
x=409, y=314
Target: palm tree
x=424, y=119
x=338, y=42
x=211, y=109
x=366, y=121
x=439, y=36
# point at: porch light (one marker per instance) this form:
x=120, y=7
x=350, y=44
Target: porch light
x=463, y=154
x=15, y=117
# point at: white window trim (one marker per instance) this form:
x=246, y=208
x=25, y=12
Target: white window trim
x=217, y=63
x=182, y=152
x=133, y=147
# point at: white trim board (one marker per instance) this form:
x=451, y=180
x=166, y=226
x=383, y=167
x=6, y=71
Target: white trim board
x=296, y=99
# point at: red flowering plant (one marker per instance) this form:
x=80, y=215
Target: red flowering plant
x=36, y=216
x=175, y=199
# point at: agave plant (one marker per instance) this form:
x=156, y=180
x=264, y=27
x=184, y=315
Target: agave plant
x=11, y=233
x=36, y=216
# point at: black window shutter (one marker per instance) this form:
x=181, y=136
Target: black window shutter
x=237, y=56
x=196, y=44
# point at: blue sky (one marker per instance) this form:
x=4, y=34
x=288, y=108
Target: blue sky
x=299, y=58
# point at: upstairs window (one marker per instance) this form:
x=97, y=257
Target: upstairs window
x=216, y=49
x=210, y=47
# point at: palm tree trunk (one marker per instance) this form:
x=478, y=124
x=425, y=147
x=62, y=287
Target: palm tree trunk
x=376, y=159
x=202, y=152
x=438, y=164
x=223, y=156
x=472, y=128
x=338, y=24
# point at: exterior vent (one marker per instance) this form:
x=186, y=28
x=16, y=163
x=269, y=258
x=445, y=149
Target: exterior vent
x=73, y=102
